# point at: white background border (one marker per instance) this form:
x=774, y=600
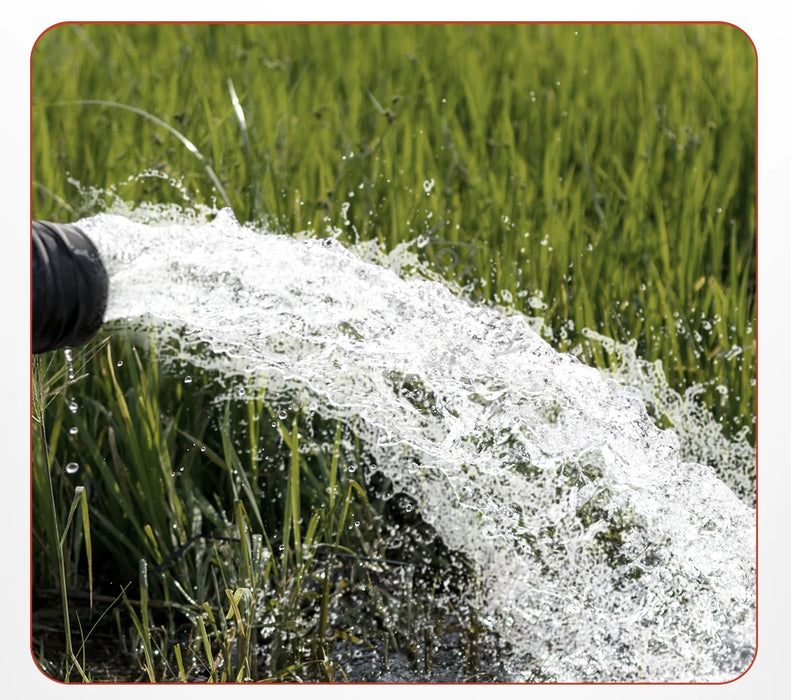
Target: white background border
x=770, y=34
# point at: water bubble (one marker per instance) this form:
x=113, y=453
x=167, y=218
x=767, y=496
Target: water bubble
x=72, y=468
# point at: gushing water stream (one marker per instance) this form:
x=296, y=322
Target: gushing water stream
x=605, y=555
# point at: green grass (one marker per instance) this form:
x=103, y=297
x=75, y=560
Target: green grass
x=596, y=176
x=609, y=170
x=199, y=513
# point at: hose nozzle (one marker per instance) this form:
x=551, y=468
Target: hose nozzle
x=70, y=287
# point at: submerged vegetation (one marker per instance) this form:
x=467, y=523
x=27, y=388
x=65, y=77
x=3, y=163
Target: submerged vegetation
x=596, y=177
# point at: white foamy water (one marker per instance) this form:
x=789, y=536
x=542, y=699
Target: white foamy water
x=605, y=556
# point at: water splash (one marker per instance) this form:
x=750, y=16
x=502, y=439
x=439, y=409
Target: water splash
x=606, y=556
x=701, y=436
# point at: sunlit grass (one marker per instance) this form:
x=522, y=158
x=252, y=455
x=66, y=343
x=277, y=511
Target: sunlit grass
x=608, y=170
x=595, y=176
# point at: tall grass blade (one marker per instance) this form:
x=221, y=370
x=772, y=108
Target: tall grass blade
x=180, y=663
x=191, y=147
x=204, y=636
x=143, y=625
x=294, y=492
x=80, y=500
x=242, y=121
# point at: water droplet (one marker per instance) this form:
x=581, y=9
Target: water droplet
x=72, y=468
x=188, y=379
x=733, y=352
x=69, y=363
x=74, y=430
x=282, y=414
x=428, y=185
x=120, y=363
x=73, y=406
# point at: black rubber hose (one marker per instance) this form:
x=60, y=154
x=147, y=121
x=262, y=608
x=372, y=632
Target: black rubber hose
x=69, y=287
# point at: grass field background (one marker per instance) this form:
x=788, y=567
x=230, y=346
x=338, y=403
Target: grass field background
x=595, y=176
